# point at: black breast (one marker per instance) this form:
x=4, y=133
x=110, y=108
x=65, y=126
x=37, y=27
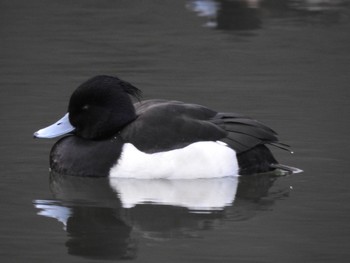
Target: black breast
x=75, y=156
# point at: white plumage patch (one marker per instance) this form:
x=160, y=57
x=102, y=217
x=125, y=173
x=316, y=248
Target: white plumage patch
x=198, y=160
x=198, y=194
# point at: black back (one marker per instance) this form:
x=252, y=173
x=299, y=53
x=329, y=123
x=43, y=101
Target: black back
x=165, y=125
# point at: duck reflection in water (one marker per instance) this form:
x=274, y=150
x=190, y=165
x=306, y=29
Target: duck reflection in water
x=90, y=213
x=228, y=15
x=104, y=217
x=247, y=15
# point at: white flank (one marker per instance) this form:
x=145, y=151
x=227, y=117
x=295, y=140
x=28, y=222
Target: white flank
x=198, y=160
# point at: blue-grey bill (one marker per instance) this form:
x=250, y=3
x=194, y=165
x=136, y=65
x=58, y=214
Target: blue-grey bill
x=61, y=127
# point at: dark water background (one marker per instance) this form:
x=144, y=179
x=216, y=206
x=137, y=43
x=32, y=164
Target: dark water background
x=286, y=63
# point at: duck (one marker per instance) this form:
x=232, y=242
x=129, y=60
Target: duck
x=105, y=133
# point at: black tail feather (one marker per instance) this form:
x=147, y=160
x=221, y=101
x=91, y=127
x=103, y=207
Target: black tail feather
x=256, y=160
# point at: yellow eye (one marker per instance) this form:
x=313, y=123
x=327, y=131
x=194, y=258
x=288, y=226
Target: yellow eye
x=85, y=107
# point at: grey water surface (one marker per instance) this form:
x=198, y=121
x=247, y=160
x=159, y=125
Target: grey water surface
x=285, y=63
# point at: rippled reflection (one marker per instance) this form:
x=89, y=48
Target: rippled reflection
x=196, y=195
x=103, y=217
x=238, y=15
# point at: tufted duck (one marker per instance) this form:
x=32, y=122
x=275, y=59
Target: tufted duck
x=108, y=135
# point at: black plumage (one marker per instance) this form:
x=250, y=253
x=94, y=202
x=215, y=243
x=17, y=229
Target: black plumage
x=104, y=118
x=175, y=124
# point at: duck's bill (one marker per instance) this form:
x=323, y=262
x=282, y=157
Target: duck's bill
x=59, y=128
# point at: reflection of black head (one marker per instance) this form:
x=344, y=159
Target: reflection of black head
x=95, y=226
x=97, y=232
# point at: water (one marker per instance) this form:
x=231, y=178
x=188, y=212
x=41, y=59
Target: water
x=285, y=63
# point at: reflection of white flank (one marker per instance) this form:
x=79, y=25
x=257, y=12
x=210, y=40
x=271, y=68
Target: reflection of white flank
x=48, y=209
x=198, y=160
x=196, y=194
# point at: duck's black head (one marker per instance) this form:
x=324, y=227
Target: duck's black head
x=101, y=106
